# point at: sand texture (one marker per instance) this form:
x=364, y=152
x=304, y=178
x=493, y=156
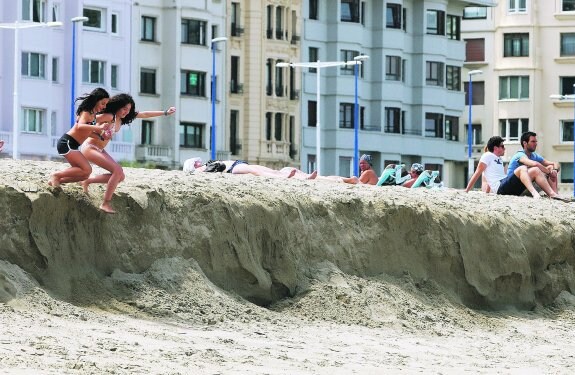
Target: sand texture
x=218, y=273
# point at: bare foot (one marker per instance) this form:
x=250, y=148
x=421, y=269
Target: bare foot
x=312, y=176
x=54, y=181
x=292, y=173
x=85, y=185
x=107, y=208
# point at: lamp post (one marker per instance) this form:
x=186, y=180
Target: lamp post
x=572, y=98
x=317, y=65
x=213, y=145
x=75, y=21
x=15, y=118
x=470, y=163
x=359, y=59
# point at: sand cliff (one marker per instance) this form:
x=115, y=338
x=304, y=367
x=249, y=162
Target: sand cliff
x=267, y=239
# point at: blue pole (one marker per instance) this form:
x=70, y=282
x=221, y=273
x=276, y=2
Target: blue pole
x=573, y=141
x=73, y=94
x=470, y=101
x=356, y=127
x=213, y=146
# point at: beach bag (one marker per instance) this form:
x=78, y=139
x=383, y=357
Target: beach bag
x=215, y=166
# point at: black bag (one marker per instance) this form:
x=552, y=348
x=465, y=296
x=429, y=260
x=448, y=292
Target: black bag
x=215, y=166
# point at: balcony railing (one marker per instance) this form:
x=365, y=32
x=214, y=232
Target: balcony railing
x=236, y=88
x=154, y=153
x=294, y=95
x=237, y=30
x=295, y=39
x=279, y=34
x=279, y=91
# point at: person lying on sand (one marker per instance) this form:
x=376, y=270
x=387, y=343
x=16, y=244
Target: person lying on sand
x=242, y=167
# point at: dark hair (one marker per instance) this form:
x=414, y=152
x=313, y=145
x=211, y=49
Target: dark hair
x=89, y=101
x=525, y=137
x=116, y=102
x=494, y=141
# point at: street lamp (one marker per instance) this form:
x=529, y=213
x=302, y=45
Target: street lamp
x=359, y=60
x=572, y=98
x=214, y=42
x=15, y=118
x=317, y=65
x=75, y=21
x=470, y=163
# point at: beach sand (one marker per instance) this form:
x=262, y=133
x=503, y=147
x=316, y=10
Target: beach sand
x=221, y=274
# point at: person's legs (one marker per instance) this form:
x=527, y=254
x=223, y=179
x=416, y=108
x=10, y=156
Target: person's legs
x=79, y=170
x=95, y=156
x=527, y=177
x=552, y=179
x=260, y=170
x=116, y=175
x=540, y=179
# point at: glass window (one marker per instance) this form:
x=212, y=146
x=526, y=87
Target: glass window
x=567, y=85
x=192, y=135
x=470, y=13
x=278, y=129
x=566, y=172
x=311, y=113
x=55, y=70
x=313, y=57
x=114, y=23
x=567, y=44
x=95, y=18
x=514, y=87
x=34, y=10
x=313, y=10
x=453, y=78
x=566, y=130
x=393, y=68
x=194, y=32
x=93, y=71
x=393, y=16
x=55, y=12
x=511, y=129
x=350, y=10
x=346, y=115
x=517, y=6
x=147, y=81
x=114, y=76
x=347, y=55
x=452, y=128
x=434, y=73
x=33, y=120
x=435, y=22
x=453, y=26
x=568, y=5
x=392, y=120
x=478, y=92
x=33, y=65
x=147, y=132
x=148, y=28
x=434, y=125
x=193, y=83
x=516, y=45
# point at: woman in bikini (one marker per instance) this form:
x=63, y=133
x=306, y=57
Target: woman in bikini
x=242, y=167
x=119, y=111
x=68, y=145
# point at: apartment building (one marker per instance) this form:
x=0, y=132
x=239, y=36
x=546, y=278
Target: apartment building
x=263, y=112
x=526, y=52
x=409, y=91
x=41, y=75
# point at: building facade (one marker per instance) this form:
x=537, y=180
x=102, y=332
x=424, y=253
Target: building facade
x=526, y=52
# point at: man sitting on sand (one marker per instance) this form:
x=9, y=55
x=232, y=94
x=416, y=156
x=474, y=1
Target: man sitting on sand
x=499, y=182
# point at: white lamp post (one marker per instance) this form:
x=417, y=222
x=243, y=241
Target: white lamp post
x=359, y=59
x=470, y=163
x=75, y=21
x=213, y=145
x=571, y=98
x=318, y=65
x=15, y=118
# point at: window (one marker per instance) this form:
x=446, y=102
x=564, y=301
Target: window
x=192, y=135
x=566, y=172
x=568, y=5
x=475, y=49
x=147, y=132
x=478, y=95
x=393, y=68
x=269, y=75
x=279, y=23
x=517, y=6
x=434, y=125
x=33, y=120
x=350, y=11
x=193, y=83
x=269, y=26
x=345, y=163
x=453, y=26
x=514, y=87
x=453, y=78
x=516, y=45
x=311, y=163
x=392, y=120
x=347, y=55
x=114, y=23
x=235, y=145
x=311, y=113
x=93, y=71
x=567, y=44
x=147, y=81
x=235, y=86
x=235, y=17
x=393, y=16
x=346, y=115
x=55, y=12
x=435, y=22
x=452, y=128
x=434, y=73
x=473, y=13
x=476, y=138
x=34, y=10
x=55, y=70
x=511, y=129
x=278, y=131
x=313, y=10
x=313, y=57
x=148, y=29
x=567, y=85
x=194, y=32
x=566, y=130
x=33, y=65
x=95, y=18
x=114, y=76
x=279, y=81
x=53, y=123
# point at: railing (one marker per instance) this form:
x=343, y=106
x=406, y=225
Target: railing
x=294, y=95
x=371, y=127
x=279, y=34
x=237, y=30
x=410, y=131
x=279, y=90
x=277, y=148
x=154, y=153
x=236, y=88
x=295, y=39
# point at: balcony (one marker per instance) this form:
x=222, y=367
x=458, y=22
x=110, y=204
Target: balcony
x=236, y=88
x=157, y=153
x=237, y=30
x=280, y=150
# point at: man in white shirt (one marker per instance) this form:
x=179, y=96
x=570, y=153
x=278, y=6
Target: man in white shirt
x=491, y=166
